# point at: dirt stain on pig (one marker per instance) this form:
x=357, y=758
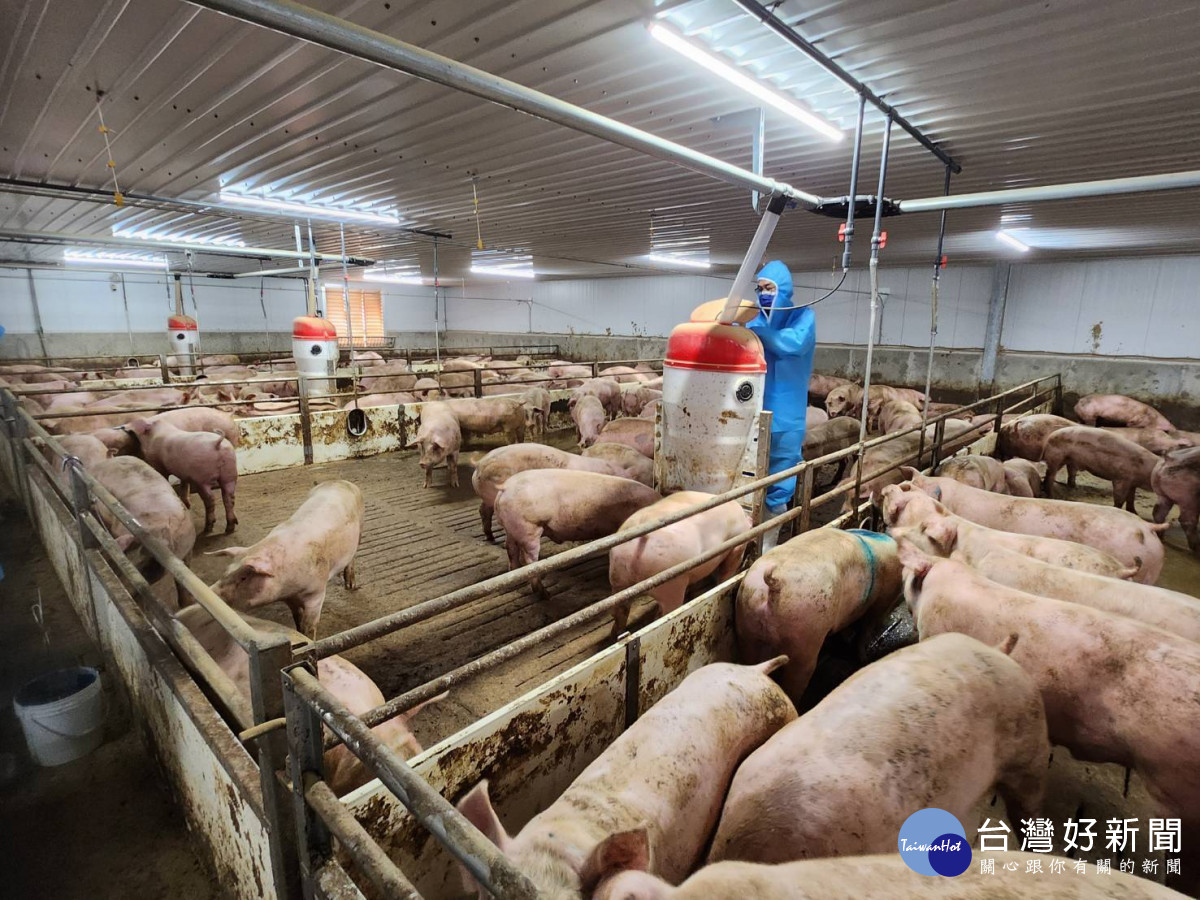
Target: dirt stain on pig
x=1097, y=334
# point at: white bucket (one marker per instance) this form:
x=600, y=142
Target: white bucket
x=62, y=715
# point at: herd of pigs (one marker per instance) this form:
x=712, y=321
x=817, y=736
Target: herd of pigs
x=1038, y=619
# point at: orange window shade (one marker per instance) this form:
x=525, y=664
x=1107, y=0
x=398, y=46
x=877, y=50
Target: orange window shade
x=366, y=315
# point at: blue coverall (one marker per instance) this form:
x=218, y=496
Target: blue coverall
x=789, y=339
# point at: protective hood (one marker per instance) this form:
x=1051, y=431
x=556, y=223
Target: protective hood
x=779, y=273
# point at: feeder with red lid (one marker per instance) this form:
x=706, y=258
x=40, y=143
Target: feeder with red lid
x=184, y=334
x=315, y=349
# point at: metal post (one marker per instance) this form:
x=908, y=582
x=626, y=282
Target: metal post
x=437, y=342
x=269, y=655
x=163, y=370
x=37, y=312
x=17, y=431
x=306, y=755
x=995, y=327
x=854, y=160
x=883, y=161
x=81, y=500
x=346, y=295
x=754, y=254
x=302, y=389
x=478, y=382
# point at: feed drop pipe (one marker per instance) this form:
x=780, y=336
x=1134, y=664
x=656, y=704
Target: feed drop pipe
x=933, y=305
x=875, y=237
x=1171, y=181
x=754, y=255
x=375, y=47
x=849, y=230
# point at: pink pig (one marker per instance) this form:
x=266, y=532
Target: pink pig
x=200, y=460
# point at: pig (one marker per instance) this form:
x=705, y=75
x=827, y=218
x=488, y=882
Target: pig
x=843, y=400
x=164, y=396
x=808, y=588
x=1126, y=464
x=1115, y=690
x=650, y=410
x=634, y=400
x=120, y=441
x=813, y=417
x=655, y=791
x=427, y=389
x=830, y=437
x=536, y=402
x=623, y=374
x=634, y=464
x=671, y=545
x=563, y=506
x=882, y=877
x=819, y=386
x=299, y=557
x=1120, y=410
x=203, y=419
x=1123, y=535
x=150, y=499
x=1169, y=610
x=565, y=371
x=607, y=391
x=981, y=472
x=396, y=398
x=87, y=448
x=220, y=359
x=588, y=414
x=897, y=415
x=494, y=469
x=489, y=415
x=200, y=460
x=1153, y=439
x=97, y=416
x=227, y=373
x=914, y=513
x=343, y=770
x=1176, y=479
x=1025, y=437
x=847, y=399
x=880, y=466
x=1024, y=478
x=940, y=723
x=439, y=437
x=637, y=433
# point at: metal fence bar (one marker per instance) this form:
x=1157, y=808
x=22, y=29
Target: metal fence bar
x=483, y=859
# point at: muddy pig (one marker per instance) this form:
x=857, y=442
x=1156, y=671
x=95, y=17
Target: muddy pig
x=981, y=472
x=654, y=793
x=537, y=408
x=1121, y=410
x=343, y=770
x=883, y=877
x=1025, y=437
x=909, y=510
x=439, y=437
x=671, y=545
x=637, y=433
x=819, y=386
x=1176, y=479
x=814, y=416
x=203, y=419
x=1024, y=478
x=806, y=589
x=1126, y=464
x=897, y=415
x=495, y=468
x=563, y=506
x=294, y=563
x=489, y=415
x=636, y=466
x=1123, y=535
x=1153, y=439
x=1169, y=610
x=940, y=723
x=607, y=391
x=1115, y=690
x=634, y=400
x=589, y=416
x=200, y=460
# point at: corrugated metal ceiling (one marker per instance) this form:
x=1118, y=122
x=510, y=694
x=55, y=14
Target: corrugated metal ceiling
x=1020, y=92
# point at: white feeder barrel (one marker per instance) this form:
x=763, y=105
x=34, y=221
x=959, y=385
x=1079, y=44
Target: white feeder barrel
x=713, y=378
x=183, y=333
x=315, y=350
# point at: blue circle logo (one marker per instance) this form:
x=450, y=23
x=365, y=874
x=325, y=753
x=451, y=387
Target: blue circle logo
x=933, y=842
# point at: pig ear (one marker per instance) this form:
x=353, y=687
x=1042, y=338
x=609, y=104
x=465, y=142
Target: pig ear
x=227, y=551
x=476, y=808
x=411, y=445
x=943, y=533
x=125, y=541
x=616, y=853
x=909, y=473
x=912, y=558
x=259, y=565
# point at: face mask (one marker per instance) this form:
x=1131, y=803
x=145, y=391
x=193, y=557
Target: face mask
x=765, y=299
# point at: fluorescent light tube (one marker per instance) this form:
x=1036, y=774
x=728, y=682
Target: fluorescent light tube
x=337, y=213
x=504, y=272
x=392, y=277
x=668, y=260
x=81, y=257
x=178, y=237
x=737, y=77
x=1007, y=238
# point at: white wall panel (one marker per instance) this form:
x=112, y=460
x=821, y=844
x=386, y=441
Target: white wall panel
x=1043, y=307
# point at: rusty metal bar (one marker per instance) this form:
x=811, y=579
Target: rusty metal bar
x=360, y=634
x=355, y=840
x=483, y=859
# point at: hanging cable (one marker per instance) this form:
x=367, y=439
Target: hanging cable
x=118, y=197
x=346, y=304
x=938, y=262
x=478, y=228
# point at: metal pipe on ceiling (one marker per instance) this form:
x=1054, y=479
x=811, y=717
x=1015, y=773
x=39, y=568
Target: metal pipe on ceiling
x=1170, y=181
x=328, y=31
x=793, y=37
x=57, y=237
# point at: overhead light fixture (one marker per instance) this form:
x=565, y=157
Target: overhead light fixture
x=393, y=277
x=735, y=76
x=309, y=210
x=177, y=237
x=130, y=260
x=669, y=260
x=1007, y=238
x=516, y=271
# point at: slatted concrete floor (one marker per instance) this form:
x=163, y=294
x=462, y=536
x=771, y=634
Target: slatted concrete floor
x=419, y=544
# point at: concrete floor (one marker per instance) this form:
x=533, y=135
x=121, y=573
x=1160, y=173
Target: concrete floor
x=103, y=826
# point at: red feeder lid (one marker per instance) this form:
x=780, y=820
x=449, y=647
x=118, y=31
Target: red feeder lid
x=313, y=328
x=181, y=323
x=712, y=347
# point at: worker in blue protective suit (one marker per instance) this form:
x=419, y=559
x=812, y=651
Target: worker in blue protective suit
x=789, y=339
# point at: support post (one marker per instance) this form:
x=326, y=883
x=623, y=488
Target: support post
x=37, y=312
x=875, y=238
x=17, y=432
x=305, y=418
x=269, y=655
x=995, y=327
x=849, y=231
x=306, y=755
